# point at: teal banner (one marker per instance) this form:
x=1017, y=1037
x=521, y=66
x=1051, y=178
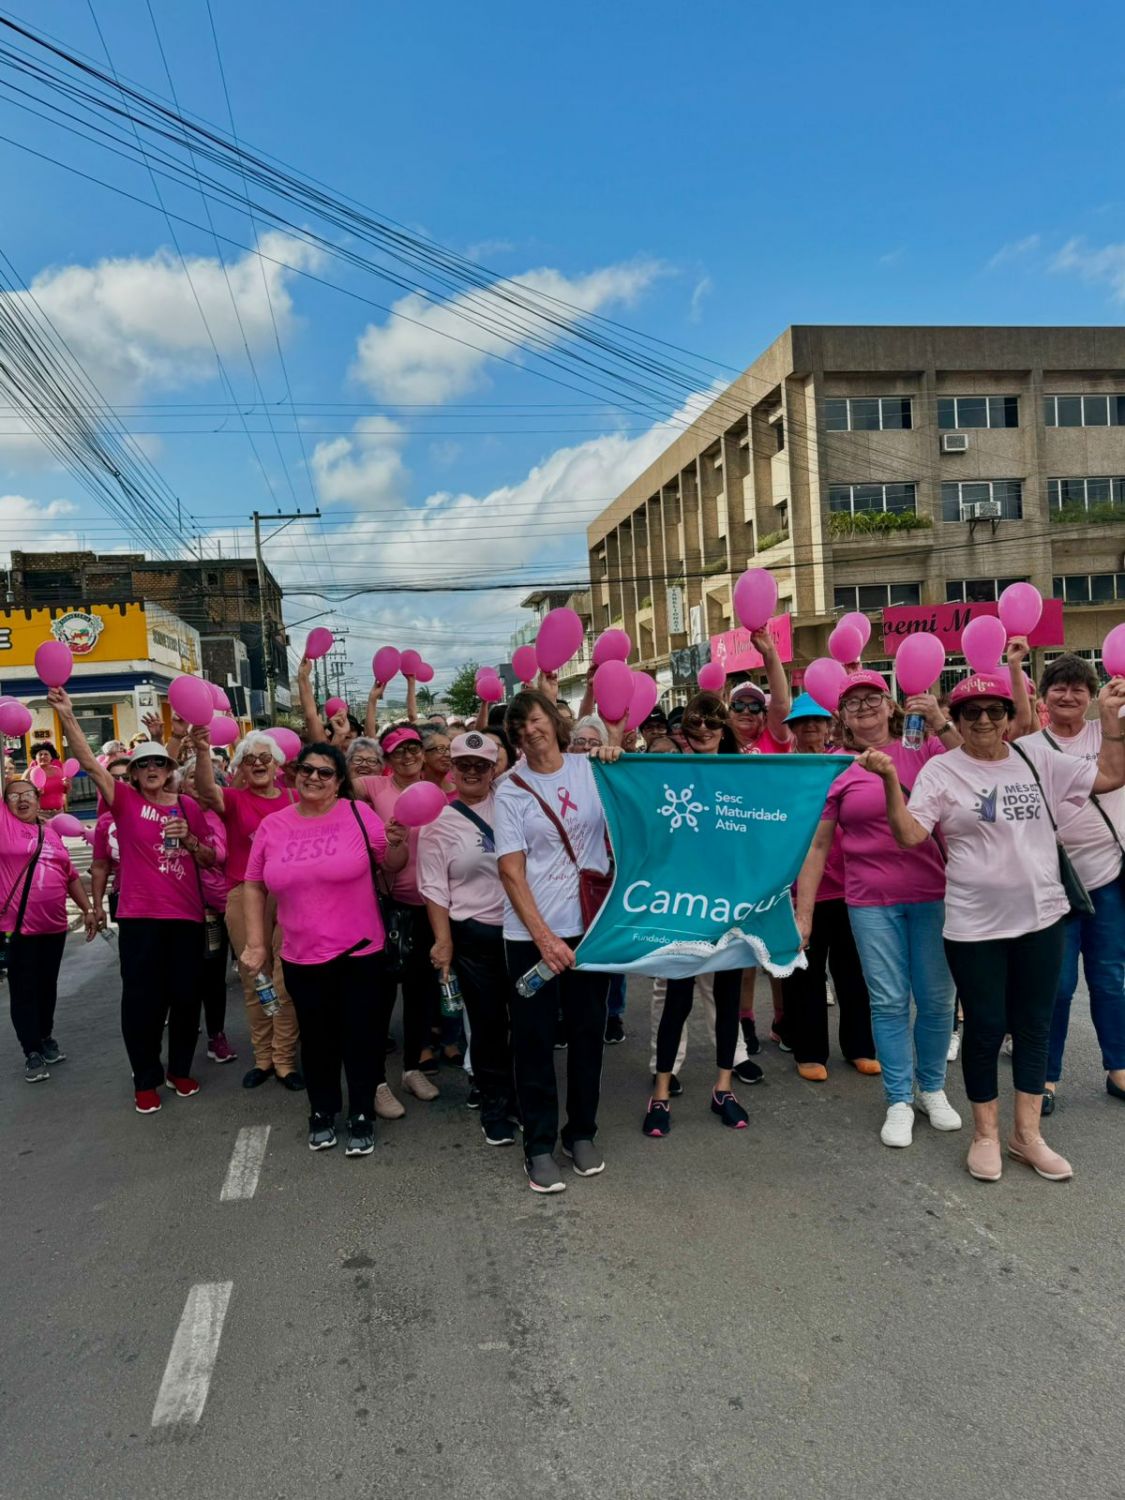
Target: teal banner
x=706, y=849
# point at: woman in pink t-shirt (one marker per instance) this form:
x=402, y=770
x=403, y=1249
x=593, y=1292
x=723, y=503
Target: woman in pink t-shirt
x=895, y=906
x=36, y=876
x=164, y=841
x=998, y=806
x=318, y=859
x=52, y=795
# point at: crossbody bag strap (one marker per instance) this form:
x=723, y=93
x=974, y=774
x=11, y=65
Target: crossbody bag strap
x=1030, y=766
x=32, y=862
x=1106, y=819
x=550, y=813
x=367, y=845
x=466, y=812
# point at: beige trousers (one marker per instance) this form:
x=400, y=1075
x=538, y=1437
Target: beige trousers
x=273, y=1038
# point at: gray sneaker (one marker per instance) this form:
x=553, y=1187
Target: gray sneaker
x=587, y=1159
x=322, y=1132
x=35, y=1070
x=543, y=1175
x=52, y=1053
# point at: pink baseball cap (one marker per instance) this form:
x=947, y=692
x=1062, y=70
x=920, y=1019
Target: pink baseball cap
x=865, y=678
x=475, y=744
x=982, y=685
x=398, y=737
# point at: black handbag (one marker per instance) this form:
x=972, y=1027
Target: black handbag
x=1072, y=882
x=398, y=928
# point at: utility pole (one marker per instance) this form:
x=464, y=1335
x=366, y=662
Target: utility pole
x=267, y=643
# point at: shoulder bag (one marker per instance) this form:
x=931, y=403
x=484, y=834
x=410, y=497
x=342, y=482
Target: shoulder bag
x=398, y=929
x=593, y=886
x=1098, y=808
x=1072, y=883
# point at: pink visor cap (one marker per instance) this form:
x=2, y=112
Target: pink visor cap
x=865, y=678
x=399, y=737
x=982, y=685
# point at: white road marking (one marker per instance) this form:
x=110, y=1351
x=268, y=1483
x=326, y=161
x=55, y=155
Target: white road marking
x=187, y=1375
x=245, y=1163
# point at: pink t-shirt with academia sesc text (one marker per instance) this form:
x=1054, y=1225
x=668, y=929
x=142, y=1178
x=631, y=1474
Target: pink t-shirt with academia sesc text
x=384, y=794
x=153, y=882
x=46, y=901
x=243, y=811
x=876, y=871
x=457, y=865
x=1003, y=874
x=320, y=872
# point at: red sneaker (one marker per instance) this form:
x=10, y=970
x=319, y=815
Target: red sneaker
x=147, y=1101
x=219, y=1049
x=185, y=1087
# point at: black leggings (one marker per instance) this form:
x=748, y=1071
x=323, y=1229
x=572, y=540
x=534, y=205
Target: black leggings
x=161, y=965
x=478, y=957
x=33, y=982
x=677, y=1007
x=1007, y=985
x=421, y=996
x=832, y=946
x=343, y=1007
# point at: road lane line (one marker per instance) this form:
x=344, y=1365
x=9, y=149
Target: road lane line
x=245, y=1163
x=187, y=1375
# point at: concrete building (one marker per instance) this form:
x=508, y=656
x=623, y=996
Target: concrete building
x=872, y=467
x=572, y=680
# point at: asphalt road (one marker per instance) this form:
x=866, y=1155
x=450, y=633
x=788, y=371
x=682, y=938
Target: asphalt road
x=793, y=1310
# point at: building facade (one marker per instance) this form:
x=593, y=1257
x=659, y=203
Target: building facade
x=572, y=678
x=873, y=467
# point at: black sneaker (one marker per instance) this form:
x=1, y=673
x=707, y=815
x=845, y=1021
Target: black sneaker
x=658, y=1121
x=51, y=1052
x=498, y=1132
x=728, y=1109
x=614, y=1031
x=675, y=1087
x=361, y=1136
x=322, y=1132
x=750, y=1035
x=748, y=1072
x=256, y=1077
x=473, y=1101
x=35, y=1069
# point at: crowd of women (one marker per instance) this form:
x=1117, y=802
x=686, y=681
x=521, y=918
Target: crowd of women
x=949, y=891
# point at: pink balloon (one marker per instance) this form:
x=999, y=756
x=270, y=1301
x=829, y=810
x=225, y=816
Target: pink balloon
x=288, y=740
x=712, y=678
x=982, y=643
x=1021, y=604
x=385, y=664
x=53, y=663
x=224, y=731
x=1113, y=653
x=612, y=645
x=15, y=719
x=190, y=697
x=643, y=701
x=409, y=663
x=919, y=662
x=219, y=698
x=825, y=680
x=425, y=672
x=524, y=664
x=489, y=689
x=560, y=637
x=71, y=768
x=861, y=623
x=845, y=643
x=320, y=642
x=613, y=690
x=419, y=804
x=38, y=777
x=755, y=598
x=67, y=826
x=335, y=706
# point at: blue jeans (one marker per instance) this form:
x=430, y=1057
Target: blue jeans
x=616, y=995
x=1101, y=941
x=900, y=948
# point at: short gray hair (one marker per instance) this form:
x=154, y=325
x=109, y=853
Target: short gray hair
x=253, y=743
x=362, y=742
x=594, y=722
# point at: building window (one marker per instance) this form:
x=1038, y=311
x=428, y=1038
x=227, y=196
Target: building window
x=868, y=413
x=977, y=590
x=978, y=411
x=212, y=580
x=1086, y=494
x=779, y=429
x=851, y=499
x=1084, y=411
x=959, y=497
x=876, y=595
x=1089, y=588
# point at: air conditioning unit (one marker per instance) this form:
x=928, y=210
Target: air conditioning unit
x=954, y=442
x=982, y=510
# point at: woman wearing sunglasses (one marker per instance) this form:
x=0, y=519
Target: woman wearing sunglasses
x=759, y=722
x=998, y=805
x=243, y=809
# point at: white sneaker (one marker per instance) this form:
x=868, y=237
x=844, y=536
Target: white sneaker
x=387, y=1107
x=898, y=1127
x=942, y=1114
x=416, y=1083
x=1006, y=1046
x=954, y=1047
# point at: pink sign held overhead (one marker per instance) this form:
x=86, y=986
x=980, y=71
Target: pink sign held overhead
x=948, y=621
x=735, y=652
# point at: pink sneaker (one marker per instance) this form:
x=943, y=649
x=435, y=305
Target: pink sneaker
x=1039, y=1156
x=219, y=1049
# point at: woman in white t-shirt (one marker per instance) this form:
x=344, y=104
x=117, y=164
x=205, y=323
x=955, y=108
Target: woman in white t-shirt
x=551, y=793
x=1005, y=906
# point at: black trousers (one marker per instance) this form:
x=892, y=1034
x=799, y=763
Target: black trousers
x=678, y=1002
x=832, y=947
x=1007, y=985
x=215, y=980
x=33, y=984
x=161, y=968
x=421, y=995
x=343, y=1009
x=580, y=998
x=478, y=957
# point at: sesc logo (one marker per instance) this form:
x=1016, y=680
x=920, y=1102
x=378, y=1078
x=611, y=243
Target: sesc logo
x=680, y=808
x=78, y=630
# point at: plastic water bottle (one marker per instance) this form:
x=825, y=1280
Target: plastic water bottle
x=452, y=1002
x=914, y=732
x=534, y=980
x=267, y=994
x=170, y=839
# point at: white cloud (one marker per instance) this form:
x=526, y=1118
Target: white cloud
x=1105, y=264
x=28, y=525
x=701, y=290
x=363, y=468
x=439, y=353
x=1014, y=250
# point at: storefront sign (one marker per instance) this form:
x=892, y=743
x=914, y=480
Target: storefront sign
x=733, y=650
x=101, y=634
x=947, y=621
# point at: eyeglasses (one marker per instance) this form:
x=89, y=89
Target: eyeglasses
x=583, y=744
x=364, y=760
x=868, y=703
x=994, y=712
x=264, y=759
x=747, y=706
x=692, y=725
x=437, y=750
x=322, y=773
x=412, y=749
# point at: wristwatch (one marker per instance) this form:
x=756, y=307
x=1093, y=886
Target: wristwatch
x=947, y=726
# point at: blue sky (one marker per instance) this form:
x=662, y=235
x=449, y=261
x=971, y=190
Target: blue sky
x=706, y=174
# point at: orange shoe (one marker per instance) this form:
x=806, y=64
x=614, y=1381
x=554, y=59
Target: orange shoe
x=814, y=1072
x=867, y=1066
